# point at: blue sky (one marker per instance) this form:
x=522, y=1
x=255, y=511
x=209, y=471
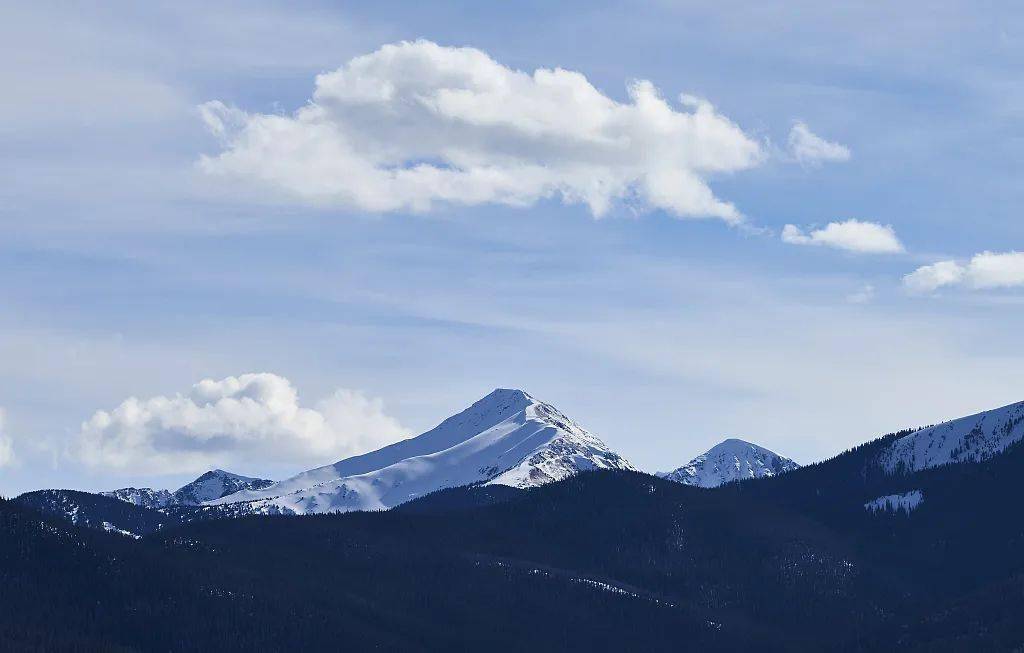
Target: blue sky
x=127, y=269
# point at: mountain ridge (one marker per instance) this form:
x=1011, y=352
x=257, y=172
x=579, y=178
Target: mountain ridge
x=507, y=437
x=972, y=438
x=211, y=485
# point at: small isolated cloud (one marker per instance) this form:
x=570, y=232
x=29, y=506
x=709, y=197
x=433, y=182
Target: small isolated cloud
x=984, y=270
x=6, y=445
x=851, y=235
x=808, y=148
x=415, y=124
x=251, y=418
x=862, y=296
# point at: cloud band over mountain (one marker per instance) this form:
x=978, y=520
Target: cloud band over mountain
x=247, y=418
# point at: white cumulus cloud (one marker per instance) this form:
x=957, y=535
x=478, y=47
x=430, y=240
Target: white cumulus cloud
x=414, y=124
x=984, y=270
x=851, y=235
x=808, y=148
x=992, y=270
x=250, y=418
x=6, y=445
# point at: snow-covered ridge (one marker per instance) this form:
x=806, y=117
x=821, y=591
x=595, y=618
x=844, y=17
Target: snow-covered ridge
x=141, y=496
x=211, y=485
x=968, y=439
x=906, y=502
x=507, y=438
x=730, y=460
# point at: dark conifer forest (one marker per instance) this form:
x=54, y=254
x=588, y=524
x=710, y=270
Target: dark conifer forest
x=601, y=561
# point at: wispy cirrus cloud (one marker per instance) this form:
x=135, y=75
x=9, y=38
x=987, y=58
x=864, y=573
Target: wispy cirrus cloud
x=415, y=124
x=808, y=148
x=864, y=295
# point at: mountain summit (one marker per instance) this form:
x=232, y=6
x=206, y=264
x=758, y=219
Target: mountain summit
x=506, y=438
x=214, y=485
x=730, y=460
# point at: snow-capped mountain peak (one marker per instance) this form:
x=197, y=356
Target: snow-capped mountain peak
x=215, y=484
x=574, y=450
x=968, y=439
x=730, y=460
x=484, y=413
x=508, y=437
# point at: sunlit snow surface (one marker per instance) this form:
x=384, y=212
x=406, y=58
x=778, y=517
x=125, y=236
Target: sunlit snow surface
x=731, y=460
x=214, y=485
x=968, y=439
x=110, y=528
x=506, y=438
x=896, y=502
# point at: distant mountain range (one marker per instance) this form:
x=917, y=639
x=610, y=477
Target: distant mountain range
x=908, y=542
x=856, y=553
x=507, y=438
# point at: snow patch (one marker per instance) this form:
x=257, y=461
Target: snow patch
x=110, y=528
x=905, y=503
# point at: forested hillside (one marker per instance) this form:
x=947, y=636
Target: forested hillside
x=600, y=560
